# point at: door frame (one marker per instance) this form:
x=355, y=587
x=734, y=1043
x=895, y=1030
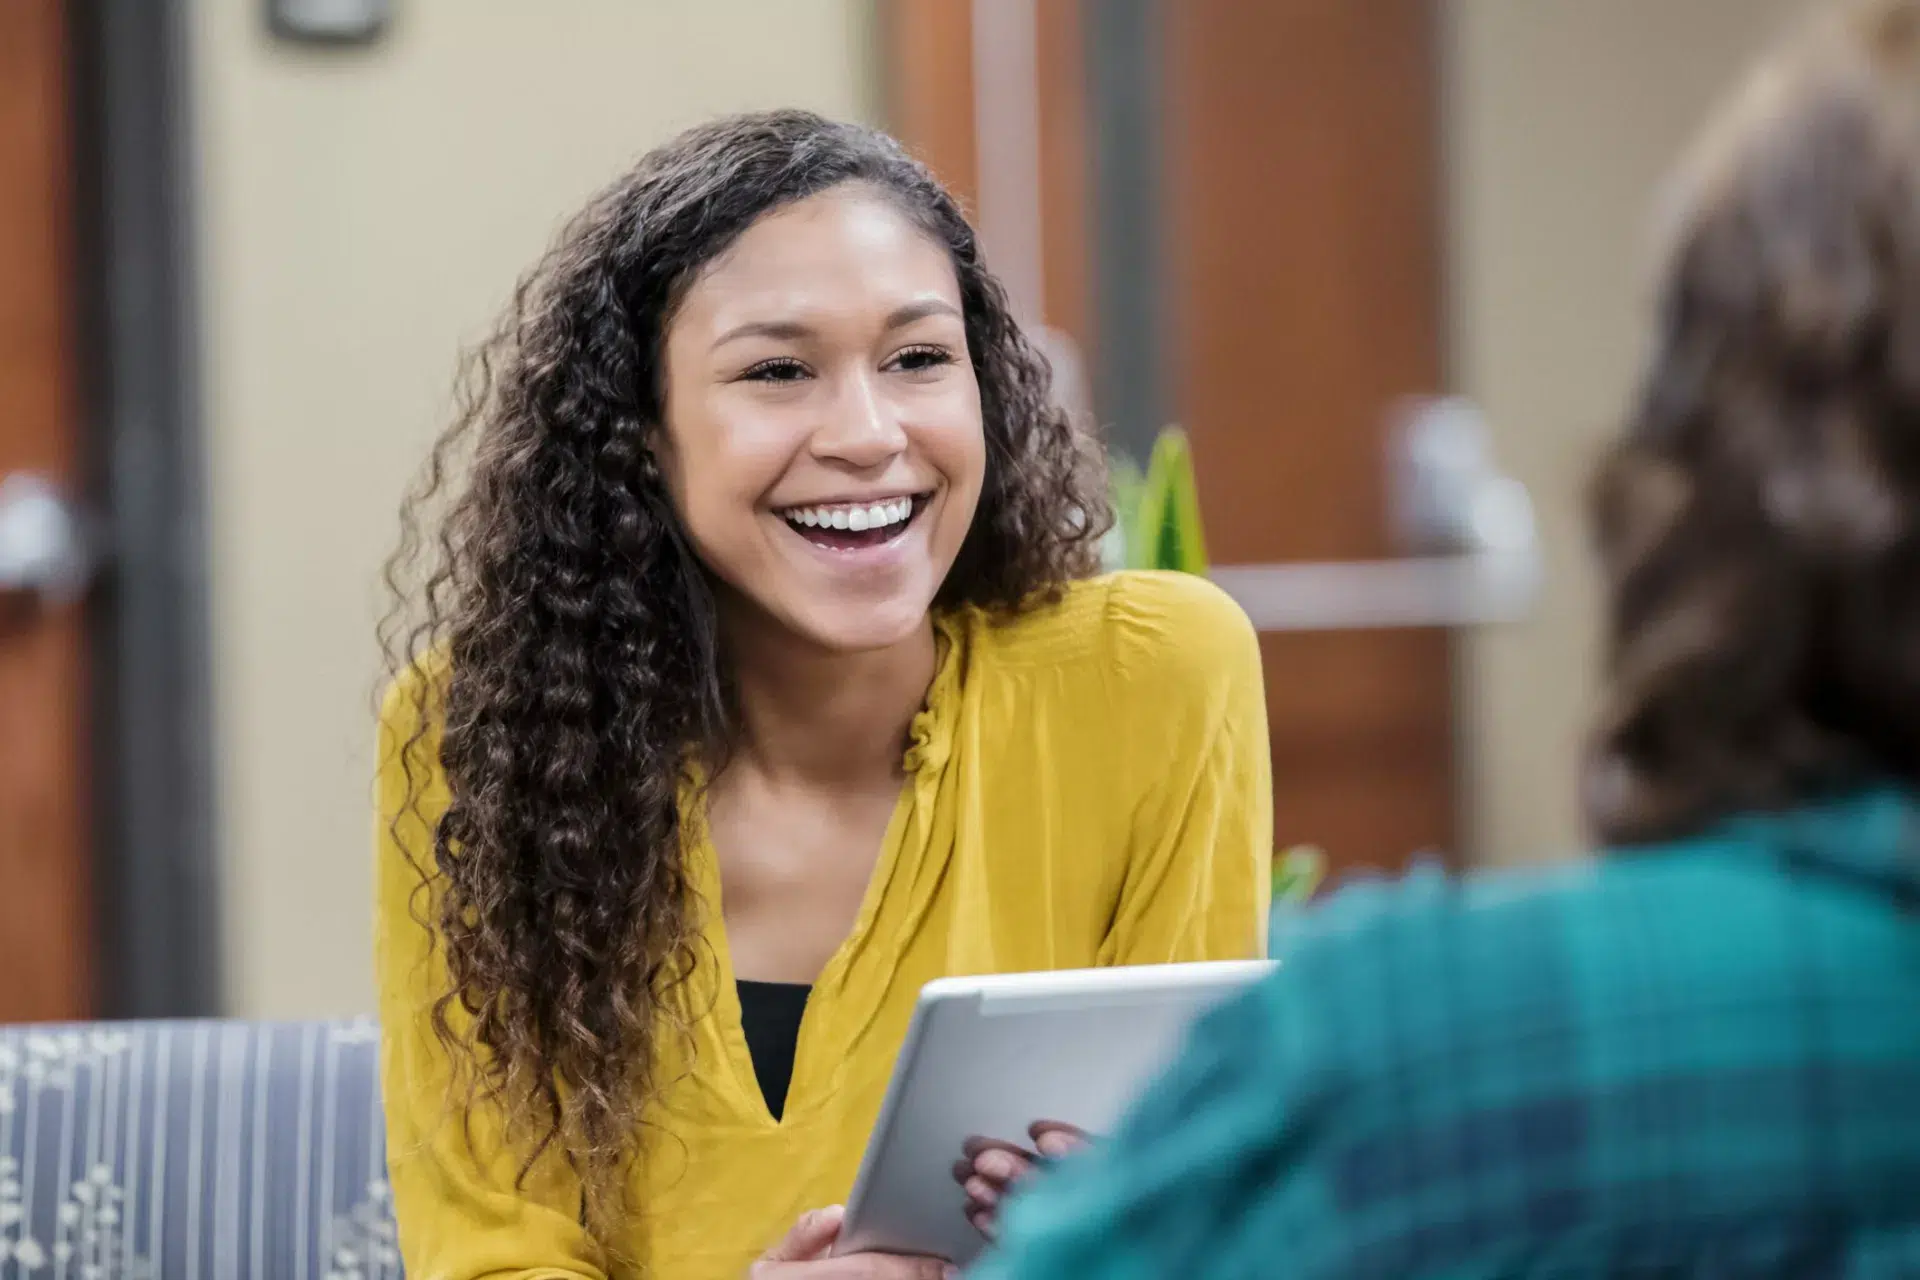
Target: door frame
x=154, y=846
x=1163, y=154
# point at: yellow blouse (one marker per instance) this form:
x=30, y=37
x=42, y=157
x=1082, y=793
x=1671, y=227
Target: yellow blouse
x=1088, y=784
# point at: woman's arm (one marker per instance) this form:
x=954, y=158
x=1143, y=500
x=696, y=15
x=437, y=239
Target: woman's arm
x=1200, y=863
x=463, y=1212
x=1186, y=736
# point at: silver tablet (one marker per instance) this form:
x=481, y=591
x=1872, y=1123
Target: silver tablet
x=988, y=1057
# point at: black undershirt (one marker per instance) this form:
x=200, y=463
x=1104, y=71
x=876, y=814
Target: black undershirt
x=770, y=1015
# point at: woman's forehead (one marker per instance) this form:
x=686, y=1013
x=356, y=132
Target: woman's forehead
x=842, y=251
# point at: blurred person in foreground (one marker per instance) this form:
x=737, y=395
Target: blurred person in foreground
x=761, y=675
x=1699, y=1053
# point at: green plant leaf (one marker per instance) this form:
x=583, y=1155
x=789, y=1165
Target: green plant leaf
x=1170, y=534
x=1128, y=485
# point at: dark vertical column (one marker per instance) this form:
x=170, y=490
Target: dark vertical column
x=156, y=852
x=1125, y=114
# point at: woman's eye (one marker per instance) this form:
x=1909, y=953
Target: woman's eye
x=775, y=371
x=919, y=359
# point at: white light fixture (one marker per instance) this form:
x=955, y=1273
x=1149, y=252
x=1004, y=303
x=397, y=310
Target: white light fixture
x=1473, y=551
x=329, y=21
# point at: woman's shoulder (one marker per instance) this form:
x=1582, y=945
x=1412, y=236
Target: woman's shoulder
x=1135, y=638
x=1179, y=621
x=1138, y=618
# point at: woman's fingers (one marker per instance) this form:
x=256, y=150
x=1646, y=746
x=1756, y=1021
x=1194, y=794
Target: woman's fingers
x=982, y=1194
x=1055, y=1139
x=994, y=1160
x=859, y=1266
x=989, y=1168
x=1001, y=1166
x=803, y=1254
x=878, y=1266
x=810, y=1237
x=1006, y=1161
x=974, y=1148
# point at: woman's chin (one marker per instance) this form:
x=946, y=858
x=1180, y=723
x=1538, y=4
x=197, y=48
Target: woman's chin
x=862, y=627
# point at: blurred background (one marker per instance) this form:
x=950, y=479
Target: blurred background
x=241, y=242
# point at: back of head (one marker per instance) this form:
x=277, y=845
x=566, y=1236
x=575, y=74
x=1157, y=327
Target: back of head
x=1757, y=522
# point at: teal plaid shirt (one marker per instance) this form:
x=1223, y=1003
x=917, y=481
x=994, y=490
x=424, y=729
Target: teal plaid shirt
x=1698, y=1059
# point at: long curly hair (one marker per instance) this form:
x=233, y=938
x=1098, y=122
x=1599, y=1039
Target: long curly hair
x=576, y=671
x=1759, y=523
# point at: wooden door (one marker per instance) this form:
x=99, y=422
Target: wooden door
x=1299, y=204
x=930, y=73
x=45, y=914
x=1301, y=177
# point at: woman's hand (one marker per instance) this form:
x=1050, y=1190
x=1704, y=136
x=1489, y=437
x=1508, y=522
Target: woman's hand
x=803, y=1256
x=988, y=1169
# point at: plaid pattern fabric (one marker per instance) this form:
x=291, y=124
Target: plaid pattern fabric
x=1700, y=1059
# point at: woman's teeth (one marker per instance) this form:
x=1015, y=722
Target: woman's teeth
x=857, y=517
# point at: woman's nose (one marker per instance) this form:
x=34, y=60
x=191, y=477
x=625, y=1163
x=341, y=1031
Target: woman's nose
x=862, y=429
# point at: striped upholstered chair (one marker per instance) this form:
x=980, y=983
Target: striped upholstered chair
x=193, y=1151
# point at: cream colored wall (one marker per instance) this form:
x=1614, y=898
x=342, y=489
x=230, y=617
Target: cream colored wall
x=1560, y=118
x=363, y=212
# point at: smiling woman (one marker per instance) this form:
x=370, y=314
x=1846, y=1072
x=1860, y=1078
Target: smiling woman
x=753, y=677
x=824, y=441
